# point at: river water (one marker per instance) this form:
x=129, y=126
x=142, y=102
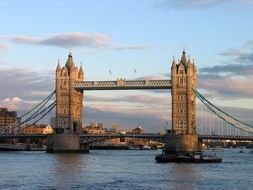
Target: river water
x=122, y=169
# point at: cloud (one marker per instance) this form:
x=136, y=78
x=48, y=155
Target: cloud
x=199, y=4
x=132, y=47
x=227, y=86
x=24, y=83
x=4, y=47
x=232, y=79
x=238, y=56
x=238, y=69
x=152, y=77
x=151, y=111
x=74, y=40
x=249, y=44
x=12, y=103
x=196, y=3
x=130, y=120
x=148, y=100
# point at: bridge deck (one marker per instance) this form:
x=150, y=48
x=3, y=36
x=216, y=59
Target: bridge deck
x=123, y=84
x=142, y=136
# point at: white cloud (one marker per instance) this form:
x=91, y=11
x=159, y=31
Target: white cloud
x=4, y=47
x=193, y=4
x=75, y=39
x=12, y=103
x=232, y=80
x=229, y=86
x=24, y=83
x=129, y=120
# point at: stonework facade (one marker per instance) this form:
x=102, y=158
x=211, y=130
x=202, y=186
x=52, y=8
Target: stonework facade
x=183, y=76
x=69, y=101
x=7, y=118
x=38, y=129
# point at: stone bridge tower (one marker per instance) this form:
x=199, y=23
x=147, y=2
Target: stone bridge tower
x=69, y=101
x=183, y=76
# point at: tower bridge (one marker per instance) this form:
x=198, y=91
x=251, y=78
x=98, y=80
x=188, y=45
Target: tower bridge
x=70, y=87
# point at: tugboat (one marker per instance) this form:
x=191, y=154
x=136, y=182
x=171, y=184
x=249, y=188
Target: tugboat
x=197, y=157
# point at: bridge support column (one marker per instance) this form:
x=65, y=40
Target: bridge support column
x=182, y=144
x=65, y=143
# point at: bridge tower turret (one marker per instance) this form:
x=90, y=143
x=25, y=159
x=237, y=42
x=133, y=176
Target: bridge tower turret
x=69, y=101
x=183, y=76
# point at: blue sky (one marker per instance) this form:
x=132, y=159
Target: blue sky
x=122, y=36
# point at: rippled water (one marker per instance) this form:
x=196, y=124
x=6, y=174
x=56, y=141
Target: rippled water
x=121, y=169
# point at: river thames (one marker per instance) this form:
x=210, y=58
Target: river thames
x=122, y=169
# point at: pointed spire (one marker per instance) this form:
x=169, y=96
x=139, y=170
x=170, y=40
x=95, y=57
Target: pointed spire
x=70, y=61
x=58, y=68
x=81, y=68
x=184, y=59
x=189, y=60
x=173, y=62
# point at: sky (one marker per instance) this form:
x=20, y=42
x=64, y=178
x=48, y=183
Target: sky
x=123, y=36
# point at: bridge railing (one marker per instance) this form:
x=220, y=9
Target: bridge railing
x=123, y=84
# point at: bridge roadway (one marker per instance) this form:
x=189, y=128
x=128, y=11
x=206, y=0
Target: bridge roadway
x=122, y=84
x=86, y=138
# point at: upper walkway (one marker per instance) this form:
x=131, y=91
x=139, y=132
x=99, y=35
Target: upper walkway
x=123, y=84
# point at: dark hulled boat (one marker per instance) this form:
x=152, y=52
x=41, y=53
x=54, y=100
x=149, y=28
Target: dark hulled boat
x=190, y=158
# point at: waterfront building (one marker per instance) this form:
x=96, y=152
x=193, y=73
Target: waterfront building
x=7, y=118
x=138, y=130
x=38, y=129
x=115, y=126
x=94, y=129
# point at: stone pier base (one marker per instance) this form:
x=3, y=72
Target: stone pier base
x=182, y=144
x=66, y=143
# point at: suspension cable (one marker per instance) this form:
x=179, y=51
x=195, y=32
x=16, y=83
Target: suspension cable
x=210, y=108
x=48, y=97
x=41, y=105
x=220, y=109
x=35, y=115
x=52, y=106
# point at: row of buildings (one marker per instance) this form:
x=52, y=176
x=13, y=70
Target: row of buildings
x=7, y=118
x=99, y=129
x=10, y=118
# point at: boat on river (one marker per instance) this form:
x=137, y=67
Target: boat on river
x=197, y=157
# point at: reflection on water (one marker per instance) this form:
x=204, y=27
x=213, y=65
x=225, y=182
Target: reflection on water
x=185, y=176
x=66, y=169
x=114, y=170
x=67, y=163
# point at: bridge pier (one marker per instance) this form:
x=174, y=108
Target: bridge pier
x=181, y=144
x=66, y=143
